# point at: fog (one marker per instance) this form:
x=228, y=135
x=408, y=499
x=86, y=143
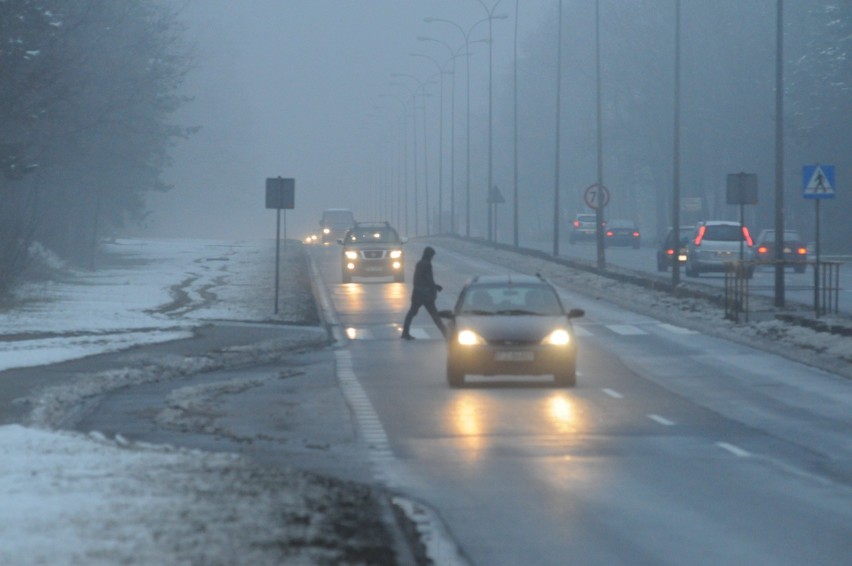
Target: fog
x=304, y=89
x=293, y=88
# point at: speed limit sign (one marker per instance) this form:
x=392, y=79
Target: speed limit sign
x=596, y=196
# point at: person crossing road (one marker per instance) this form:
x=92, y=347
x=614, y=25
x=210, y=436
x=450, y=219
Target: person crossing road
x=424, y=294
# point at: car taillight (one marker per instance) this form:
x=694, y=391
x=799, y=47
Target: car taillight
x=609, y=232
x=576, y=224
x=762, y=250
x=700, y=235
x=747, y=237
x=635, y=234
x=669, y=251
x=802, y=251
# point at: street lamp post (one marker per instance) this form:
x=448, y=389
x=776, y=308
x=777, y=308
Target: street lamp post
x=441, y=72
x=466, y=35
x=421, y=86
x=404, y=183
x=492, y=236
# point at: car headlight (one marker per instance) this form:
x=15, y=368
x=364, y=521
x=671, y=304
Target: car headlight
x=469, y=338
x=326, y=231
x=559, y=337
x=351, y=255
x=396, y=254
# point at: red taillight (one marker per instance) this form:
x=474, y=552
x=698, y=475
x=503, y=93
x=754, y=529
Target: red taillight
x=747, y=237
x=670, y=252
x=700, y=235
x=762, y=250
x=576, y=224
x=802, y=251
x=635, y=234
x=609, y=232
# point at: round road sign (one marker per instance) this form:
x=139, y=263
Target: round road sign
x=595, y=196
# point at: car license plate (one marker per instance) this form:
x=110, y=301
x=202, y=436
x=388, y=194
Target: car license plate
x=514, y=356
x=373, y=268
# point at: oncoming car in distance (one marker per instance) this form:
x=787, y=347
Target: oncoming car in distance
x=372, y=249
x=511, y=325
x=335, y=222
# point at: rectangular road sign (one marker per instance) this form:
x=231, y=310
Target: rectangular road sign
x=741, y=188
x=280, y=193
x=818, y=181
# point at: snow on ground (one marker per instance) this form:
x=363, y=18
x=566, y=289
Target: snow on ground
x=70, y=498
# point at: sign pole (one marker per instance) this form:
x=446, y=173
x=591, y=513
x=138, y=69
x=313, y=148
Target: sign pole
x=277, y=253
x=816, y=263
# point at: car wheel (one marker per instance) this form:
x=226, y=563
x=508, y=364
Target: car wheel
x=399, y=278
x=567, y=378
x=346, y=277
x=661, y=265
x=636, y=246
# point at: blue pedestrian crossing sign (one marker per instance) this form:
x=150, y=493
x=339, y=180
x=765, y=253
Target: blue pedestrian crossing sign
x=818, y=181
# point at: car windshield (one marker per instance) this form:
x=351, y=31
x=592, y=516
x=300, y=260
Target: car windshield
x=511, y=300
x=724, y=233
x=586, y=218
x=372, y=235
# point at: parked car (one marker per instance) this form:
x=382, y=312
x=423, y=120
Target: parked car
x=795, y=250
x=583, y=228
x=668, y=249
x=372, y=249
x=716, y=243
x=622, y=233
x=510, y=325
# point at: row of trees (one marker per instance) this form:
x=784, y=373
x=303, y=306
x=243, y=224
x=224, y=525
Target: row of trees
x=727, y=115
x=87, y=88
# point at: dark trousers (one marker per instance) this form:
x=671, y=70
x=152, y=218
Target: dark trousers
x=429, y=305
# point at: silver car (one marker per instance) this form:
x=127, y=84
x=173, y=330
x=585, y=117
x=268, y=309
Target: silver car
x=717, y=243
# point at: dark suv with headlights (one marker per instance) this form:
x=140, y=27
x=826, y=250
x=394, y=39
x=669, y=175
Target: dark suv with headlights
x=372, y=249
x=510, y=325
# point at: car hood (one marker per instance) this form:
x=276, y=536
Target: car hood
x=512, y=328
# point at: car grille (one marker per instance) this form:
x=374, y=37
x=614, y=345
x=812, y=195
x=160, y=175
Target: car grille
x=373, y=254
x=512, y=342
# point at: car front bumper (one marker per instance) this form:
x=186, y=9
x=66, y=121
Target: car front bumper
x=510, y=360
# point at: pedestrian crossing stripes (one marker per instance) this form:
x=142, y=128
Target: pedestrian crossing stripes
x=392, y=331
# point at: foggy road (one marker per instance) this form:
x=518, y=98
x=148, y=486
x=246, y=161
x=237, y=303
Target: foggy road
x=674, y=447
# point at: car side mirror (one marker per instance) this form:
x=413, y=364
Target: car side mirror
x=576, y=313
x=447, y=314
x=340, y=241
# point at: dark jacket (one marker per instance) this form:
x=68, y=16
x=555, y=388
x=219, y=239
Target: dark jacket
x=425, y=288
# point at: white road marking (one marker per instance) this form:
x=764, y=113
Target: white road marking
x=677, y=329
x=613, y=393
x=626, y=329
x=661, y=420
x=440, y=546
x=735, y=450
